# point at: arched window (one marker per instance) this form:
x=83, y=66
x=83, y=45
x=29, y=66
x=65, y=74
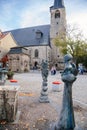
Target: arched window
x=36, y=53
x=57, y=14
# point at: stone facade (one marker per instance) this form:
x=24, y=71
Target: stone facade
x=8, y=103
x=6, y=42
x=58, y=27
x=37, y=53
x=18, y=62
x=58, y=23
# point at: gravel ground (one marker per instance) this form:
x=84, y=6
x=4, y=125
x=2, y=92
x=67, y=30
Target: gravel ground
x=41, y=116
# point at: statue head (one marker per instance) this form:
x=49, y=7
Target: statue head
x=68, y=57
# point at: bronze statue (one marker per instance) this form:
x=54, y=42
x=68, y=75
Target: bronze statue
x=3, y=72
x=44, y=71
x=66, y=121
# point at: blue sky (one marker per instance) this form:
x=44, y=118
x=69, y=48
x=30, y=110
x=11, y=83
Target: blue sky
x=16, y=14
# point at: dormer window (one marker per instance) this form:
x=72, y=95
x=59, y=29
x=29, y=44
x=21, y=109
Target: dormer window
x=39, y=34
x=57, y=14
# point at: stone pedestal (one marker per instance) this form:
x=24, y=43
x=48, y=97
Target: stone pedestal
x=8, y=102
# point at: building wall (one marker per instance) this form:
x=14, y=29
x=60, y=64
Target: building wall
x=58, y=25
x=44, y=53
x=6, y=43
x=19, y=62
x=57, y=28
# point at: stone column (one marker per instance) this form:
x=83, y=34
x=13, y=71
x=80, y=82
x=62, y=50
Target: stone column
x=8, y=102
x=44, y=93
x=66, y=120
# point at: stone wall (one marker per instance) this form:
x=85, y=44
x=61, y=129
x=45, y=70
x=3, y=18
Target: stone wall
x=8, y=103
x=58, y=25
x=6, y=43
x=44, y=53
x=19, y=62
x=57, y=28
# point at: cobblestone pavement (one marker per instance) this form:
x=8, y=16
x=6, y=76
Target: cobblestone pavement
x=40, y=116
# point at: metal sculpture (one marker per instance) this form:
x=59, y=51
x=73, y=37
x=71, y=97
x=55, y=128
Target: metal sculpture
x=44, y=71
x=66, y=120
x=3, y=72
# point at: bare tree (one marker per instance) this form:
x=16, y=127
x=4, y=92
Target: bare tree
x=73, y=43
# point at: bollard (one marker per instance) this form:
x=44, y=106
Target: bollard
x=56, y=86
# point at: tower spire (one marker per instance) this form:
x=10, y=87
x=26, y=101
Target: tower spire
x=58, y=4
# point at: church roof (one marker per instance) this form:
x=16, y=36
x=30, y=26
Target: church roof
x=29, y=36
x=18, y=50
x=57, y=4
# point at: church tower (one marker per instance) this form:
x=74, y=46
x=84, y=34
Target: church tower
x=58, y=19
x=57, y=27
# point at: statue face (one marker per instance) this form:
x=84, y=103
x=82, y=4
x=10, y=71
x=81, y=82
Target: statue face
x=67, y=58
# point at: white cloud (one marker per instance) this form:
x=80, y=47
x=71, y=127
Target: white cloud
x=35, y=16
x=15, y=15
x=79, y=19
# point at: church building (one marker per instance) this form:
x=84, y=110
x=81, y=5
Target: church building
x=38, y=40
